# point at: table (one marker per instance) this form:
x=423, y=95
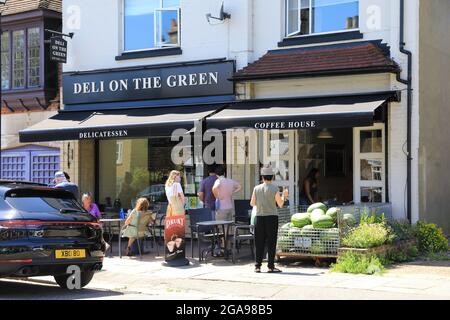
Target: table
x=216, y=225
x=111, y=223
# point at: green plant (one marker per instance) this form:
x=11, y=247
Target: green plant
x=367, y=218
x=395, y=256
x=367, y=236
x=431, y=238
x=401, y=230
x=358, y=263
x=412, y=252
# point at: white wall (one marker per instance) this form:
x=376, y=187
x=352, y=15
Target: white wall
x=14, y=122
x=98, y=39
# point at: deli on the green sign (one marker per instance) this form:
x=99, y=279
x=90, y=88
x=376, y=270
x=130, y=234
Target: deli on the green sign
x=58, y=49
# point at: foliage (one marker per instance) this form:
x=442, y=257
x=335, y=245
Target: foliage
x=367, y=236
x=401, y=230
x=358, y=263
x=431, y=238
x=367, y=218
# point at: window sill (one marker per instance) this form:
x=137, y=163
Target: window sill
x=321, y=38
x=150, y=53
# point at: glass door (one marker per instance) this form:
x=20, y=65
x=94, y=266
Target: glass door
x=281, y=148
x=369, y=155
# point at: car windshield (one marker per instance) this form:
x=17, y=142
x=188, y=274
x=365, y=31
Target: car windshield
x=44, y=204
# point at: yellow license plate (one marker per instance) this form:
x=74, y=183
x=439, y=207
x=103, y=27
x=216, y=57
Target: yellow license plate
x=70, y=254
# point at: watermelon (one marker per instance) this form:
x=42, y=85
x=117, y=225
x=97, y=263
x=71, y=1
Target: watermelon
x=316, y=214
x=329, y=234
x=295, y=232
x=284, y=243
x=349, y=219
x=306, y=230
x=323, y=222
x=318, y=205
x=318, y=248
x=287, y=226
x=333, y=212
x=300, y=220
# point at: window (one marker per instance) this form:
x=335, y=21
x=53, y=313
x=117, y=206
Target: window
x=370, y=164
x=150, y=24
x=33, y=57
x=18, y=59
x=142, y=172
x=305, y=17
x=21, y=58
x=5, y=61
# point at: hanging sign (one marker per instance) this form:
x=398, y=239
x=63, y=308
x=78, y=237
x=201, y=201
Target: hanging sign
x=58, y=49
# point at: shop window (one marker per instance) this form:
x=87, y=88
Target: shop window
x=135, y=168
x=34, y=57
x=6, y=65
x=305, y=17
x=151, y=24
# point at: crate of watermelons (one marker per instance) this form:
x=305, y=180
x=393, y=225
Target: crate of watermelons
x=314, y=232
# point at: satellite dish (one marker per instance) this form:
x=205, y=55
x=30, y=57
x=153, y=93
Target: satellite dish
x=222, y=15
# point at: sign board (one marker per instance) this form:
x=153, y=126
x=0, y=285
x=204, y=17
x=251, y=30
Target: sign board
x=149, y=83
x=58, y=49
x=174, y=240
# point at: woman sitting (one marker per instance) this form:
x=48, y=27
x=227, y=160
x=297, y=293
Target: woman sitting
x=90, y=206
x=132, y=229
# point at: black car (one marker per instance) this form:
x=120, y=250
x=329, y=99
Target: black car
x=44, y=231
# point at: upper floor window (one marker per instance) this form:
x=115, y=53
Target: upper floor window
x=5, y=61
x=304, y=17
x=150, y=24
x=21, y=58
x=33, y=57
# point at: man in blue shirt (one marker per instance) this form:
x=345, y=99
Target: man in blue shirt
x=61, y=182
x=205, y=194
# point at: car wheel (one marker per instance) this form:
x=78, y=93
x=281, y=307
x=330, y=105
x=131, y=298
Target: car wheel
x=86, y=277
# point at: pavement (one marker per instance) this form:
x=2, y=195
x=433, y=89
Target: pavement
x=150, y=279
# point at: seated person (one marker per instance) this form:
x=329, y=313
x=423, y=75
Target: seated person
x=90, y=206
x=131, y=230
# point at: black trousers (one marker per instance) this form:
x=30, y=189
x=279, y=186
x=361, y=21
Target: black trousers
x=266, y=231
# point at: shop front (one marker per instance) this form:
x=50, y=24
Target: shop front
x=342, y=138
x=120, y=128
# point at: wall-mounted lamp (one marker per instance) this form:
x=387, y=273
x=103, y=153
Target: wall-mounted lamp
x=222, y=16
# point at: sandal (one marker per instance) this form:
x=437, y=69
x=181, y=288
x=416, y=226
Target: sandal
x=128, y=253
x=258, y=270
x=274, y=270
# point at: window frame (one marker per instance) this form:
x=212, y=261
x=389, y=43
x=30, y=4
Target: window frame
x=25, y=29
x=358, y=183
x=28, y=85
x=25, y=59
x=297, y=35
x=9, y=64
x=124, y=51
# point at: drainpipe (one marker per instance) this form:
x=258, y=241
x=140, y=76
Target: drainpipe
x=408, y=83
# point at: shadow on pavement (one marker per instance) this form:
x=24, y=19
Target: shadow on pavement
x=11, y=289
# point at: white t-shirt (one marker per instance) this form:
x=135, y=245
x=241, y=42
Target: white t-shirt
x=173, y=190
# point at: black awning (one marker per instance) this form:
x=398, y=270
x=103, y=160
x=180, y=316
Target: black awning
x=302, y=113
x=116, y=124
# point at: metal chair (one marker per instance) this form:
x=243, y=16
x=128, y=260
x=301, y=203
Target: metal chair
x=241, y=209
x=242, y=223
x=249, y=235
x=161, y=209
x=200, y=232
x=141, y=230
